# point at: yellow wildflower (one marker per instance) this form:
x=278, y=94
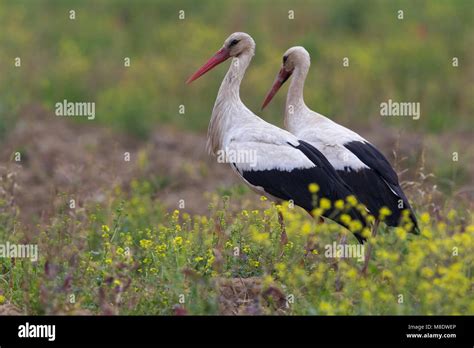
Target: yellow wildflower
x=178, y=241
x=425, y=218
x=387, y=274
x=306, y=228
x=370, y=219
x=427, y=272
x=326, y=307
x=367, y=296
x=339, y=204
x=255, y=263
x=345, y=219
x=146, y=243
x=426, y=233
x=160, y=249
x=260, y=237
x=355, y=226
x=451, y=215
x=401, y=233
x=442, y=226
x=352, y=200
x=210, y=261
x=313, y=188
x=384, y=212
x=352, y=274
x=325, y=204
x=267, y=281
x=280, y=267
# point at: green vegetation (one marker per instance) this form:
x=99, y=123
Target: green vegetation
x=83, y=59
x=129, y=256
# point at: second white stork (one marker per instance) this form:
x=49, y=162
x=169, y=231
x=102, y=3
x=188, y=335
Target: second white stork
x=284, y=166
x=364, y=168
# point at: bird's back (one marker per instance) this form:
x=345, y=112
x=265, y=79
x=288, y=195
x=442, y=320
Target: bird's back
x=360, y=164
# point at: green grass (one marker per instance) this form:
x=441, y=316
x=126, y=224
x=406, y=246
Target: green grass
x=82, y=59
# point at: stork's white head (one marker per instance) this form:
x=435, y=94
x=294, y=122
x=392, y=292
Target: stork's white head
x=294, y=58
x=239, y=42
x=236, y=44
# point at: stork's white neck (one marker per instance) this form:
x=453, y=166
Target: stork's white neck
x=295, y=91
x=295, y=105
x=228, y=103
x=230, y=86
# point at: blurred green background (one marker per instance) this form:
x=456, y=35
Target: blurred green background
x=83, y=59
x=137, y=112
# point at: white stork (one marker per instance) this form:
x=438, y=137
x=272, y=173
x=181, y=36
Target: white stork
x=357, y=161
x=284, y=166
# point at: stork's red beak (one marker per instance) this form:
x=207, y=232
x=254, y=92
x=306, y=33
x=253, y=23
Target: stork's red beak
x=281, y=78
x=216, y=59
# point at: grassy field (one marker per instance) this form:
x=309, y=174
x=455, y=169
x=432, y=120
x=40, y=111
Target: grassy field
x=83, y=59
x=129, y=246
x=131, y=256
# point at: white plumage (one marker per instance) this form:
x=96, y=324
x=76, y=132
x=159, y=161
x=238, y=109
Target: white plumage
x=233, y=127
x=358, y=162
x=329, y=139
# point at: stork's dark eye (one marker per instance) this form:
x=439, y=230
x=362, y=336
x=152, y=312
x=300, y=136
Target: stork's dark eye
x=234, y=42
x=285, y=58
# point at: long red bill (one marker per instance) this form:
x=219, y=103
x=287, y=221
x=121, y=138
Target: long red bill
x=216, y=59
x=281, y=78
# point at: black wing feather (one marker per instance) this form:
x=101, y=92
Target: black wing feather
x=382, y=180
x=293, y=185
x=374, y=159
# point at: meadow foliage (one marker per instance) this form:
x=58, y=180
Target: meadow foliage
x=131, y=256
